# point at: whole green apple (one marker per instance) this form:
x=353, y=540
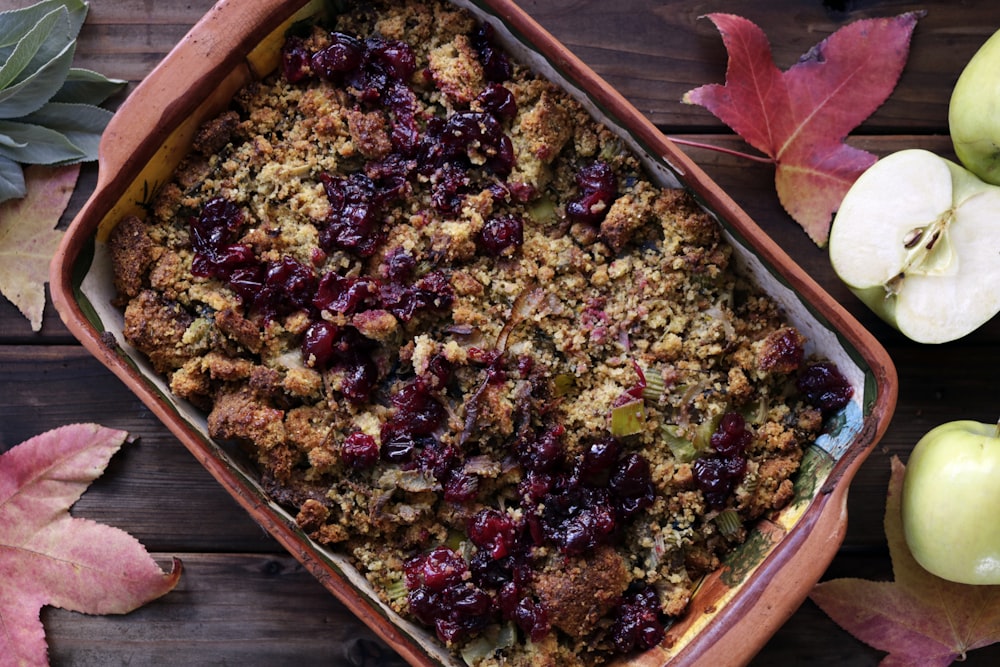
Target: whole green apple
x=917, y=238
x=974, y=113
x=951, y=502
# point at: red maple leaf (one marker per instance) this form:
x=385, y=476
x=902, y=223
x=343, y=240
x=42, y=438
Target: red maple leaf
x=800, y=118
x=918, y=619
x=48, y=557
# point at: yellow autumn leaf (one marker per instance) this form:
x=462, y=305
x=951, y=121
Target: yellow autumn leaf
x=28, y=237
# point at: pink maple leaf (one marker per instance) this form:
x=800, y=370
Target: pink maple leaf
x=48, y=557
x=800, y=118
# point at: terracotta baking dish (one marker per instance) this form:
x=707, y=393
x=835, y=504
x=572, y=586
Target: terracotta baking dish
x=737, y=609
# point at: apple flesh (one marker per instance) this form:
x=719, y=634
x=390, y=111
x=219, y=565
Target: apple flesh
x=951, y=502
x=917, y=238
x=974, y=113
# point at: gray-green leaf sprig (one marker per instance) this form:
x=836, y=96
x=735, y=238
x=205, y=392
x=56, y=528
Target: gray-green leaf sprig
x=48, y=108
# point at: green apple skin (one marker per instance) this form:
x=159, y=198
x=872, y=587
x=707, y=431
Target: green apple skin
x=974, y=113
x=951, y=502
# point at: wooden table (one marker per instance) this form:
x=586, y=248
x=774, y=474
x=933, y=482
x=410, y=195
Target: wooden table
x=242, y=599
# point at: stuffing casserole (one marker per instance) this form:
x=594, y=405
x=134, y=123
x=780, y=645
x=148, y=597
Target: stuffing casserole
x=465, y=337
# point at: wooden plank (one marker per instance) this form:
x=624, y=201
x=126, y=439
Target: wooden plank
x=227, y=609
x=653, y=54
x=153, y=488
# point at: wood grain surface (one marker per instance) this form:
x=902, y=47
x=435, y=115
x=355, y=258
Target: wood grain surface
x=242, y=600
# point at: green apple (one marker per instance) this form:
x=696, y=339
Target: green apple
x=917, y=238
x=974, y=113
x=951, y=502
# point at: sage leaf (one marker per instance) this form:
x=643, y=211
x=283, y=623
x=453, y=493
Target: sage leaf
x=82, y=86
x=40, y=144
x=11, y=143
x=48, y=108
x=16, y=23
x=29, y=46
x=11, y=180
x=35, y=90
x=81, y=124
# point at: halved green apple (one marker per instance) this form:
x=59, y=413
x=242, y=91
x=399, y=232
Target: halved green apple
x=917, y=238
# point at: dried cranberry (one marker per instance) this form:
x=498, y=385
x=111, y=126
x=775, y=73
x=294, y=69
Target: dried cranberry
x=348, y=295
x=439, y=370
x=632, y=486
x=417, y=409
x=496, y=64
x=228, y=262
x=449, y=184
x=431, y=293
x=598, y=459
x=390, y=178
x=213, y=239
x=395, y=56
x=460, y=487
x=353, y=228
x=359, y=450
x=243, y=272
x=288, y=286
x=218, y=225
x=466, y=131
x=435, y=570
x=325, y=345
x=578, y=518
x=535, y=486
x=541, y=453
x=731, y=437
x=344, y=54
x=384, y=64
x=492, y=531
x=359, y=374
x=638, y=621
x=531, y=616
x=717, y=476
x=491, y=573
x=399, y=265
x=824, y=386
x=498, y=100
x=295, y=59
x=317, y=344
x=500, y=234
x=440, y=459
x=353, y=222
x=405, y=129
x=598, y=188
x=502, y=160
x=586, y=529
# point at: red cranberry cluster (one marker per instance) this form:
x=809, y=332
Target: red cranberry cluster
x=720, y=472
x=574, y=503
x=377, y=73
x=638, y=624
x=587, y=501
x=598, y=188
x=442, y=597
x=278, y=288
